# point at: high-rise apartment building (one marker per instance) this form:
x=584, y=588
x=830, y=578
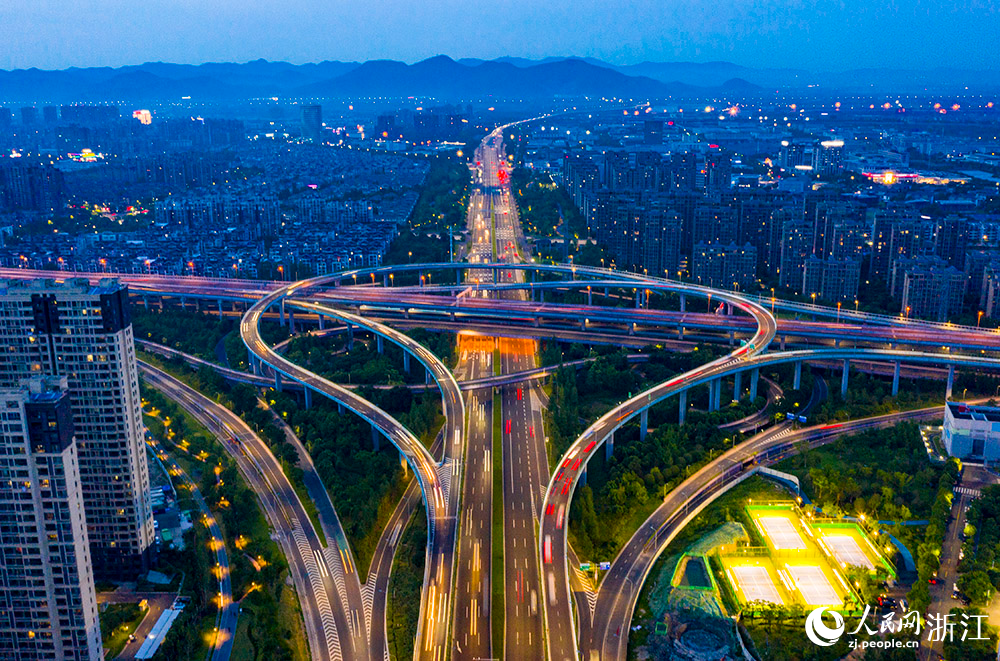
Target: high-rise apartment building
x=724, y=267
x=84, y=333
x=312, y=122
x=48, y=605
x=933, y=293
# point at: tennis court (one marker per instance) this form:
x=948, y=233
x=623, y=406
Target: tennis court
x=814, y=585
x=755, y=583
x=847, y=550
x=782, y=533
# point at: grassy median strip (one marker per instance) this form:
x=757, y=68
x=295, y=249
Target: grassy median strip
x=497, y=578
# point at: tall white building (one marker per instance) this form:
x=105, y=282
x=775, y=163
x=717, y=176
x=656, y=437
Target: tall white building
x=48, y=605
x=84, y=333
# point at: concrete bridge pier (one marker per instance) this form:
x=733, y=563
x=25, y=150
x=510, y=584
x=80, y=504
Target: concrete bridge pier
x=376, y=438
x=754, y=378
x=428, y=377
x=406, y=361
x=254, y=365
x=605, y=292
x=322, y=322
x=843, y=378
x=590, y=299
x=385, y=280
x=277, y=381
x=836, y=343
x=643, y=424
x=680, y=332
x=782, y=342
x=145, y=302
x=738, y=386
x=638, y=298
x=379, y=344
x=340, y=408
x=350, y=337
x=583, y=477
x=683, y=303
x=732, y=337
x=895, y=379
x=281, y=313
x=682, y=406
x=308, y=397
x=291, y=322
x=951, y=381
x=609, y=446
x=797, y=381
x=712, y=386
x=541, y=295
x=219, y=303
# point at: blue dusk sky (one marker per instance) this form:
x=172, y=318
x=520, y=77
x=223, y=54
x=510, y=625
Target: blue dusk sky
x=812, y=34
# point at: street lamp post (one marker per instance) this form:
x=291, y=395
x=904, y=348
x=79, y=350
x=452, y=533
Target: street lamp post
x=979, y=318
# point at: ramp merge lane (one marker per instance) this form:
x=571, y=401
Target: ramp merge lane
x=435, y=481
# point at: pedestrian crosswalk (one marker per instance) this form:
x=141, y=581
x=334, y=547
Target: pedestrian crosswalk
x=967, y=491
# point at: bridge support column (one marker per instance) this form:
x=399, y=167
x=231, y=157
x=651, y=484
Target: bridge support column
x=277, y=381
x=380, y=346
x=638, y=298
x=797, y=381
x=713, y=394
x=843, y=378
x=609, y=446
x=738, y=386
x=951, y=382
x=583, y=324
x=340, y=408
x=836, y=343
x=643, y=424
x=605, y=293
x=428, y=377
x=322, y=322
x=682, y=407
x=631, y=328
x=406, y=361
x=754, y=378
x=541, y=295
x=145, y=302
x=376, y=438
x=281, y=313
x=590, y=298
x=385, y=280
x=895, y=379
x=683, y=303
x=732, y=337
x=291, y=322
x=308, y=397
x=404, y=463
x=782, y=342
x=680, y=332
x=219, y=303
x=350, y=337
x=583, y=477
x=183, y=303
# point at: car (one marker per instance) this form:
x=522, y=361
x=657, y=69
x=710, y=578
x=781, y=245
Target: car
x=576, y=464
x=590, y=446
x=547, y=549
x=531, y=431
x=565, y=489
x=560, y=516
x=559, y=475
x=507, y=427
x=550, y=509
x=520, y=393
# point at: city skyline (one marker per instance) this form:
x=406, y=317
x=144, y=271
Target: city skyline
x=783, y=34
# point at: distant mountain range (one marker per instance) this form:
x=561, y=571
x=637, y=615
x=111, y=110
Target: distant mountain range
x=468, y=78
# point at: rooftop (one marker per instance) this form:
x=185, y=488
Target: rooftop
x=962, y=411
